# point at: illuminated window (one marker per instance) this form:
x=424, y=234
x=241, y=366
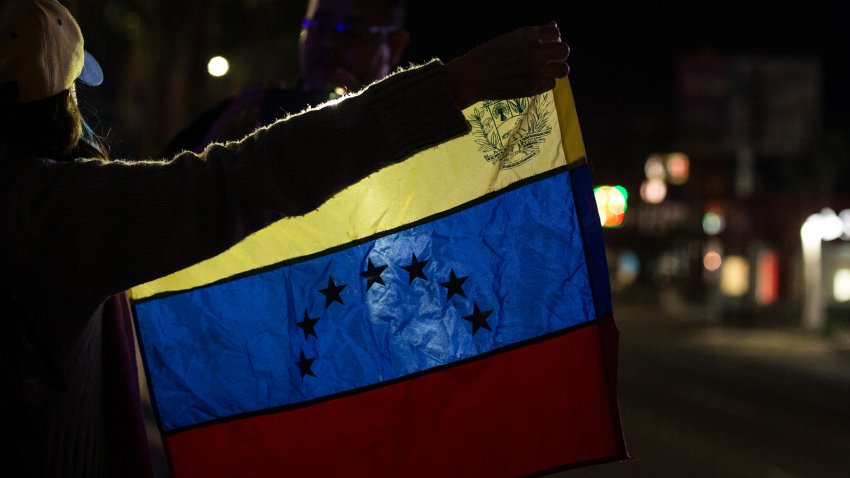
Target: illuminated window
x=841, y=285
x=678, y=168
x=767, y=280
x=735, y=276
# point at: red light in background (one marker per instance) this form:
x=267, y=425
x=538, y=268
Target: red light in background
x=767, y=280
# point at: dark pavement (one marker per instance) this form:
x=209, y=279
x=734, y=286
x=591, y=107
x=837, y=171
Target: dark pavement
x=700, y=400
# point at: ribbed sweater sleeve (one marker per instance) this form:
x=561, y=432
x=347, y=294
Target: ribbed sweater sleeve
x=93, y=228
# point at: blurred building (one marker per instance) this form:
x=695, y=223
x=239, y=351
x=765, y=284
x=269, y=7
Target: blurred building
x=757, y=164
x=156, y=55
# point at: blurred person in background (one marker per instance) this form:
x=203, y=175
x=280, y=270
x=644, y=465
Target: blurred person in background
x=343, y=46
x=78, y=229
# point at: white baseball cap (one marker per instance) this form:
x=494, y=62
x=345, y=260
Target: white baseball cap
x=41, y=51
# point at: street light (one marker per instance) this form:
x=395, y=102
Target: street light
x=823, y=226
x=218, y=66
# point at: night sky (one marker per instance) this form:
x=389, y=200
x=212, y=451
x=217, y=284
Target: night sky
x=623, y=57
x=633, y=47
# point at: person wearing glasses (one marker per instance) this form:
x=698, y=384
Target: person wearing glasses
x=343, y=46
x=347, y=44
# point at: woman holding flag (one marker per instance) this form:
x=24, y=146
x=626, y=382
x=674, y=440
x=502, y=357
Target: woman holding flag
x=78, y=229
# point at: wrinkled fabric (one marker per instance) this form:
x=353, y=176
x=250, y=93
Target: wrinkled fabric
x=232, y=348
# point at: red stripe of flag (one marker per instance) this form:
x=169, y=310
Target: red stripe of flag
x=526, y=410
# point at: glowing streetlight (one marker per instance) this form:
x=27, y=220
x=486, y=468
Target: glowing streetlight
x=735, y=276
x=218, y=66
x=825, y=225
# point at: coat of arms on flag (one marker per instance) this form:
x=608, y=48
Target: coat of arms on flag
x=449, y=315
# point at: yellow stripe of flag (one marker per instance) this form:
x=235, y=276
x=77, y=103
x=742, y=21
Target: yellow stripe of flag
x=426, y=184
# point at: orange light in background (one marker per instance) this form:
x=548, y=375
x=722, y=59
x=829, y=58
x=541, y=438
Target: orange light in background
x=712, y=260
x=612, y=203
x=614, y=221
x=767, y=280
x=678, y=168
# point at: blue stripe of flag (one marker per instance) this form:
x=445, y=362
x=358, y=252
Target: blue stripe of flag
x=274, y=338
x=594, y=245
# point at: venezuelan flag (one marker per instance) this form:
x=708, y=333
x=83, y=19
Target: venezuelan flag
x=449, y=315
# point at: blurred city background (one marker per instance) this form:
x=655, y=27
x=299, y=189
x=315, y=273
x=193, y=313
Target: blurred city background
x=719, y=137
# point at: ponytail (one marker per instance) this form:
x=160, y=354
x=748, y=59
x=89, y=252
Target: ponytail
x=51, y=128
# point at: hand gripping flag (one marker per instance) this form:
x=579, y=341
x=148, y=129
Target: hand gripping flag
x=449, y=315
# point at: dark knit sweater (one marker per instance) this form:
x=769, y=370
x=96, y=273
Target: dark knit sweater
x=76, y=233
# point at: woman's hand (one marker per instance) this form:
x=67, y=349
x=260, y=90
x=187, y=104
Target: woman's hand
x=522, y=63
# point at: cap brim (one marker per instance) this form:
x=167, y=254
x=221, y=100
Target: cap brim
x=91, y=75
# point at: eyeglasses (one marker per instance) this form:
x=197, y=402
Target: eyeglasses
x=349, y=28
